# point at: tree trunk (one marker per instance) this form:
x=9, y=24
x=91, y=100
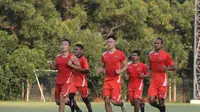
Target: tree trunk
x=28, y=90
x=170, y=91
x=22, y=91
x=42, y=88
x=174, y=89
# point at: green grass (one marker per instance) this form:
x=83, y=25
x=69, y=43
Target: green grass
x=97, y=107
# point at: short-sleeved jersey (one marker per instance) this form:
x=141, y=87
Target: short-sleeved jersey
x=112, y=62
x=79, y=77
x=134, y=71
x=64, y=70
x=157, y=61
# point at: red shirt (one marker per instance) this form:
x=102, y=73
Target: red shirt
x=112, y=63
x=157, y=61
x=64, y=71
x=134, y=71
x=79, y=77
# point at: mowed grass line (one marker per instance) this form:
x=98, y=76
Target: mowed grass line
x=97, y=107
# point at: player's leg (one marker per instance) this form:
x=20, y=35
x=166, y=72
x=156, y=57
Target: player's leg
x=152, y=94
x=57, y=94
x=84, y=94
x=162, y=91
x=107, y=104
x=162, y=105
x=106, y=96
x=62, y=103
x=116, y=95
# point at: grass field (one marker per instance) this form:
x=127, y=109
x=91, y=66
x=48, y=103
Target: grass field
x=97, y=107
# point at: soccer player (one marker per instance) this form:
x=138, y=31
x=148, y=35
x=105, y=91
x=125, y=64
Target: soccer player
x=79, y=81
x=160, y=61
x=65, y=67
x=136, y=72
x=111, y=64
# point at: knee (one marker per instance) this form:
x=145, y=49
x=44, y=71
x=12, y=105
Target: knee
x=86, y=100
x=62, y=99
x=107, y=100
x=71, y=96
x=57, y=102
x=132, y=103
x=151, y=100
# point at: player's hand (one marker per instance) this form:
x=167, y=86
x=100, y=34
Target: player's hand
x=164, y=68
x=100, y=70
x=118, y=71
x=127, y=77
x=50, y=63
x=69, y=62
x=142, y=75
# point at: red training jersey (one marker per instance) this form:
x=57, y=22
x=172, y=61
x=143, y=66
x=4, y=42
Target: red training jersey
x=112, y=62
x=64, y=70
x=134, y=71
x=78, y=77
x=157, y=61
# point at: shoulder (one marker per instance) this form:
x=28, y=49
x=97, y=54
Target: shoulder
x=129, y=63
x=58, y=56
x=165, y=53
x=120, y=52
x=151, y=52
x=83, y=58
x=104, y=53
x=142, y=64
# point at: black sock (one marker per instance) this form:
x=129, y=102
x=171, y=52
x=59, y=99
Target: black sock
x=162, y=109
x=142, y=106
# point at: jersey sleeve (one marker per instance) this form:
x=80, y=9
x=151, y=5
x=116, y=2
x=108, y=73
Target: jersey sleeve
x=169, y=61
x=102, y=59
x=122, y=58
x=85, y=64
x=145, y=69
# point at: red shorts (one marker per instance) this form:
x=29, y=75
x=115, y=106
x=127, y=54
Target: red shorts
x=158, y=91
x=135, y=94
x=112, y=89
x=61, y=89
x=83, y=90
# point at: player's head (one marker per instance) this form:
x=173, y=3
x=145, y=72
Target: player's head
x=158, y=43
x=135, y=55
x=111, y=41
x=78, y=50
x=65, y=45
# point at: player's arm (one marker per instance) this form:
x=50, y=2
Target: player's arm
x=52, y=65
x=101, y=69
x=76, y=64
x=125, y=66
x=85, y=68
x=170, y=64
x=145, y=72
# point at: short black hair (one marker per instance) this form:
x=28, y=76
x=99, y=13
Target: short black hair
x=159, y=38
x=67, y=41
x=111, y=36
x=80, y=46
x=137, y=52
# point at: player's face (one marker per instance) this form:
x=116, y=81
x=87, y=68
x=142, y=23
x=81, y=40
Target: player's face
x=77, y=51
x=157, y=44
x=135, y=57
x=65, y=46
x=111, y=43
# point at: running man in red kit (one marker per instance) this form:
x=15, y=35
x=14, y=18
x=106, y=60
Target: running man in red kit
x=136, y=72
x=111, y=64
x=79, y=80
x=65, y=67
x=160, y=61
